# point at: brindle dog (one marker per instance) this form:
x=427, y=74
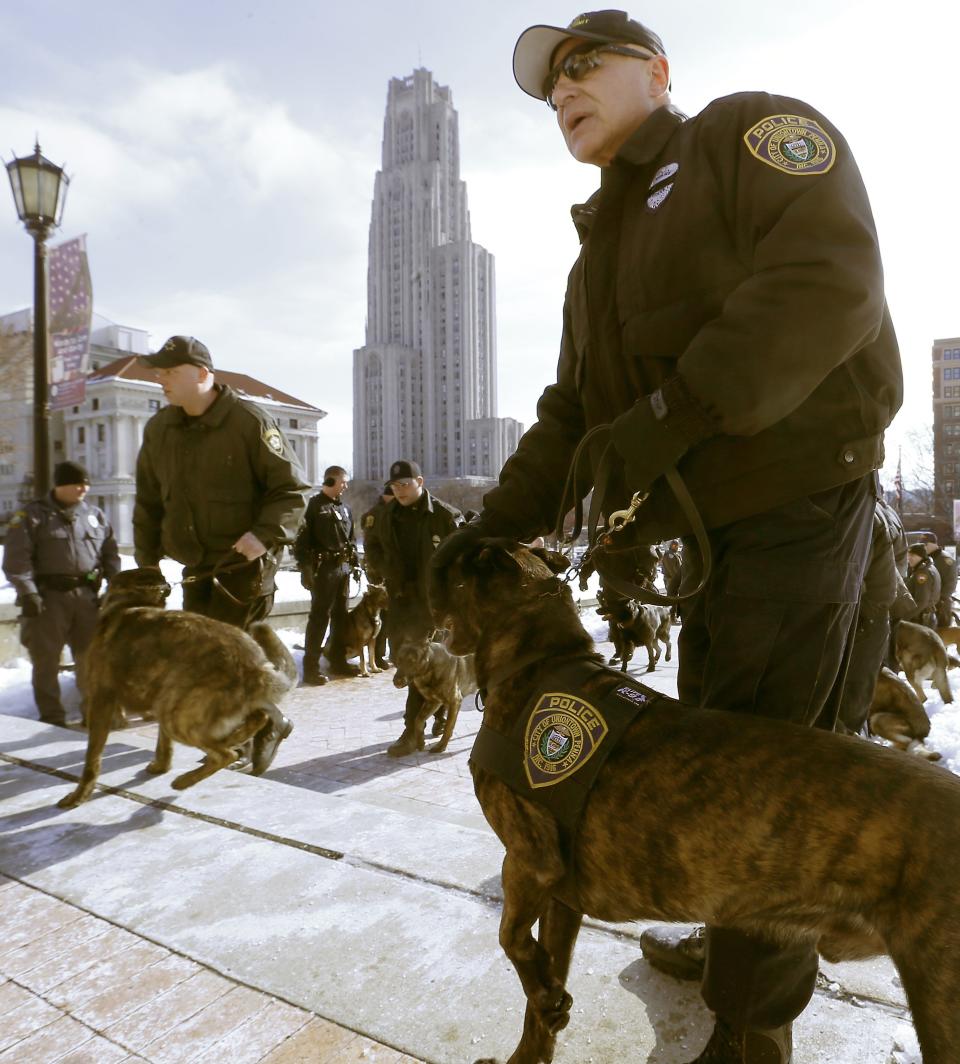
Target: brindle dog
x=207, y=684
x=443, y=681
x=362, y=627
x=703, y=816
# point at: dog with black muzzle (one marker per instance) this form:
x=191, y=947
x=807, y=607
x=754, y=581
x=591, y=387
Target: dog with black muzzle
x=207, y=684
x=443, y=680
x=615, y=801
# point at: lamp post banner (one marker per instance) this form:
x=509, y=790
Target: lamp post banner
x=71, y=313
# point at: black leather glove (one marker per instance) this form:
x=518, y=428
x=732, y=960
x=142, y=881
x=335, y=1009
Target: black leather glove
x=31, y=605
x=657, y=431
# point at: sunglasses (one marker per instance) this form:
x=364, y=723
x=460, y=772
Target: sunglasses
x=577, y=63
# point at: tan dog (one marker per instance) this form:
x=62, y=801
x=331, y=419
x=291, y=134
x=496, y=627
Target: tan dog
x=897, y=715
x=922, y=656
x=659, y=837
x=363, y=626
x=443, y=680
x=207, y=684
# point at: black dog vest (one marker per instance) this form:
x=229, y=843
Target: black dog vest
x=563, y=738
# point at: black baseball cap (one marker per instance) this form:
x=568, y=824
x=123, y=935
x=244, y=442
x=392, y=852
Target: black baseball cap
x=536, y=45
x=403, y=469
x=180, y=351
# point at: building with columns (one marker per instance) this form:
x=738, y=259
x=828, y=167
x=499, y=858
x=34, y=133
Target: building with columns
x=425, y=382
x=105, y=431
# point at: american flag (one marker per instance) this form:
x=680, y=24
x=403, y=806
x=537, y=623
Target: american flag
x=70, y=303
x=898, y=483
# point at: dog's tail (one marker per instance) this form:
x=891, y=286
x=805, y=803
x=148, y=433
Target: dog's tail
x=277, y=654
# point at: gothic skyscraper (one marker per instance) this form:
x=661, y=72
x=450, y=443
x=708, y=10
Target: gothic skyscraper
x=425, y=382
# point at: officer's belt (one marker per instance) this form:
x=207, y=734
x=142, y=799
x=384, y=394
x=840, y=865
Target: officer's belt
x=65, y=582
x=559, y=744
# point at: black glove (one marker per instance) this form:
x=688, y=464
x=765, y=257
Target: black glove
x=31, y=605
x=306, y=577
x=462, y=539
x=657, y=431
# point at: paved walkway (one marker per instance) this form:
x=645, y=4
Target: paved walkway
x=342, y=908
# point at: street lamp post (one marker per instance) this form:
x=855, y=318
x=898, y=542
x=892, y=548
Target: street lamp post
x=39, y=191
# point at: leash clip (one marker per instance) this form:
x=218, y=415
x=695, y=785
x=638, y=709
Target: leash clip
x=619, y=519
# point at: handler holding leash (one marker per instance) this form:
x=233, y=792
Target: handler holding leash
x=58, y=552
x=326, y=551
x=725, y=317
x=216, y=480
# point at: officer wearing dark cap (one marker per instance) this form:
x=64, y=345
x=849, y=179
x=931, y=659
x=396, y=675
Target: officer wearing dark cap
x=400, y=546
x=369, y=522
x=58, y=550
x=725, y=318
x=326, y=551
x=220, y=490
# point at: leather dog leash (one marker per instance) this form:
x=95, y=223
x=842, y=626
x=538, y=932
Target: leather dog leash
x=601, y=545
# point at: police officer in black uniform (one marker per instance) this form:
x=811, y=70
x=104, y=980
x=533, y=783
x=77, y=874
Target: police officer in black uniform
x=368, y=521
x=58, y=551
x=923, y=582
x=326, y=551
x=726, y=317
x=220, y=490
x=671, y=565
x=400, y=545
x=947, y=570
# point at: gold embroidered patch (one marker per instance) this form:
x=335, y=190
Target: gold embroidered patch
x=792, y=144
x=272, y=438
x=563, y=733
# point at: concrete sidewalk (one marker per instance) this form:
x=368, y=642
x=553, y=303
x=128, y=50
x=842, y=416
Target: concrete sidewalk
x=345, y=896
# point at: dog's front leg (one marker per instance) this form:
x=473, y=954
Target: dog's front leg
x=164, y=753
x=371, y=658
x=541, y=965
x=453, y=711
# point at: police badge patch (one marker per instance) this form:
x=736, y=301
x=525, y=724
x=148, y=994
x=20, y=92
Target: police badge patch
x=792, y=144
x=562, y=734
x=272, y=438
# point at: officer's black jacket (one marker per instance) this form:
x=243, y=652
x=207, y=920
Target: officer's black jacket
x=435, y=521
x=923, y=582
x=202, y=482
x=947, y=570
x=761, y=289
x=45, y=539
x=327, y=530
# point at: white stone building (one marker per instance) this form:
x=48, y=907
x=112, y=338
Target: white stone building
x=105, y=431
x=425, y=382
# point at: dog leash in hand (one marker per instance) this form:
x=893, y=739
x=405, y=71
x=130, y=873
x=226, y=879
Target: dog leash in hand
x=601, y=545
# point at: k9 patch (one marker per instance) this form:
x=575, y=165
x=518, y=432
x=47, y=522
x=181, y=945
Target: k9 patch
x=792, y=144
x=563, y=733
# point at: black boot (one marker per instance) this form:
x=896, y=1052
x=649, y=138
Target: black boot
x=312, y=676
x=730, y=1046
x=675, y=950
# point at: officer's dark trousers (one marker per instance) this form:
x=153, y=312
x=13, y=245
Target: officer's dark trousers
x=328, y=606
x=770, y=634
x=410, y=621
x=68, y=619
x=870, y=646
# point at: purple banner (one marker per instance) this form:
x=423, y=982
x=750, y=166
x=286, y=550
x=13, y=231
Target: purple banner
x=70, y=304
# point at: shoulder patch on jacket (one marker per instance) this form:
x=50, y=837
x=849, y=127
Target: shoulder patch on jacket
x=17, y=518
x=369, y=521
x=792, y=144
x=272, y=438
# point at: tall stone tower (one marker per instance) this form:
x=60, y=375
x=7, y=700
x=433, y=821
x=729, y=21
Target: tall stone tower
x=424, y=383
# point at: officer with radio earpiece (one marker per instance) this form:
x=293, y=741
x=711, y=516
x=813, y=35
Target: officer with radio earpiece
x=326, y=552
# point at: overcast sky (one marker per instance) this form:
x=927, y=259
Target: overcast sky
x=223, y=152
